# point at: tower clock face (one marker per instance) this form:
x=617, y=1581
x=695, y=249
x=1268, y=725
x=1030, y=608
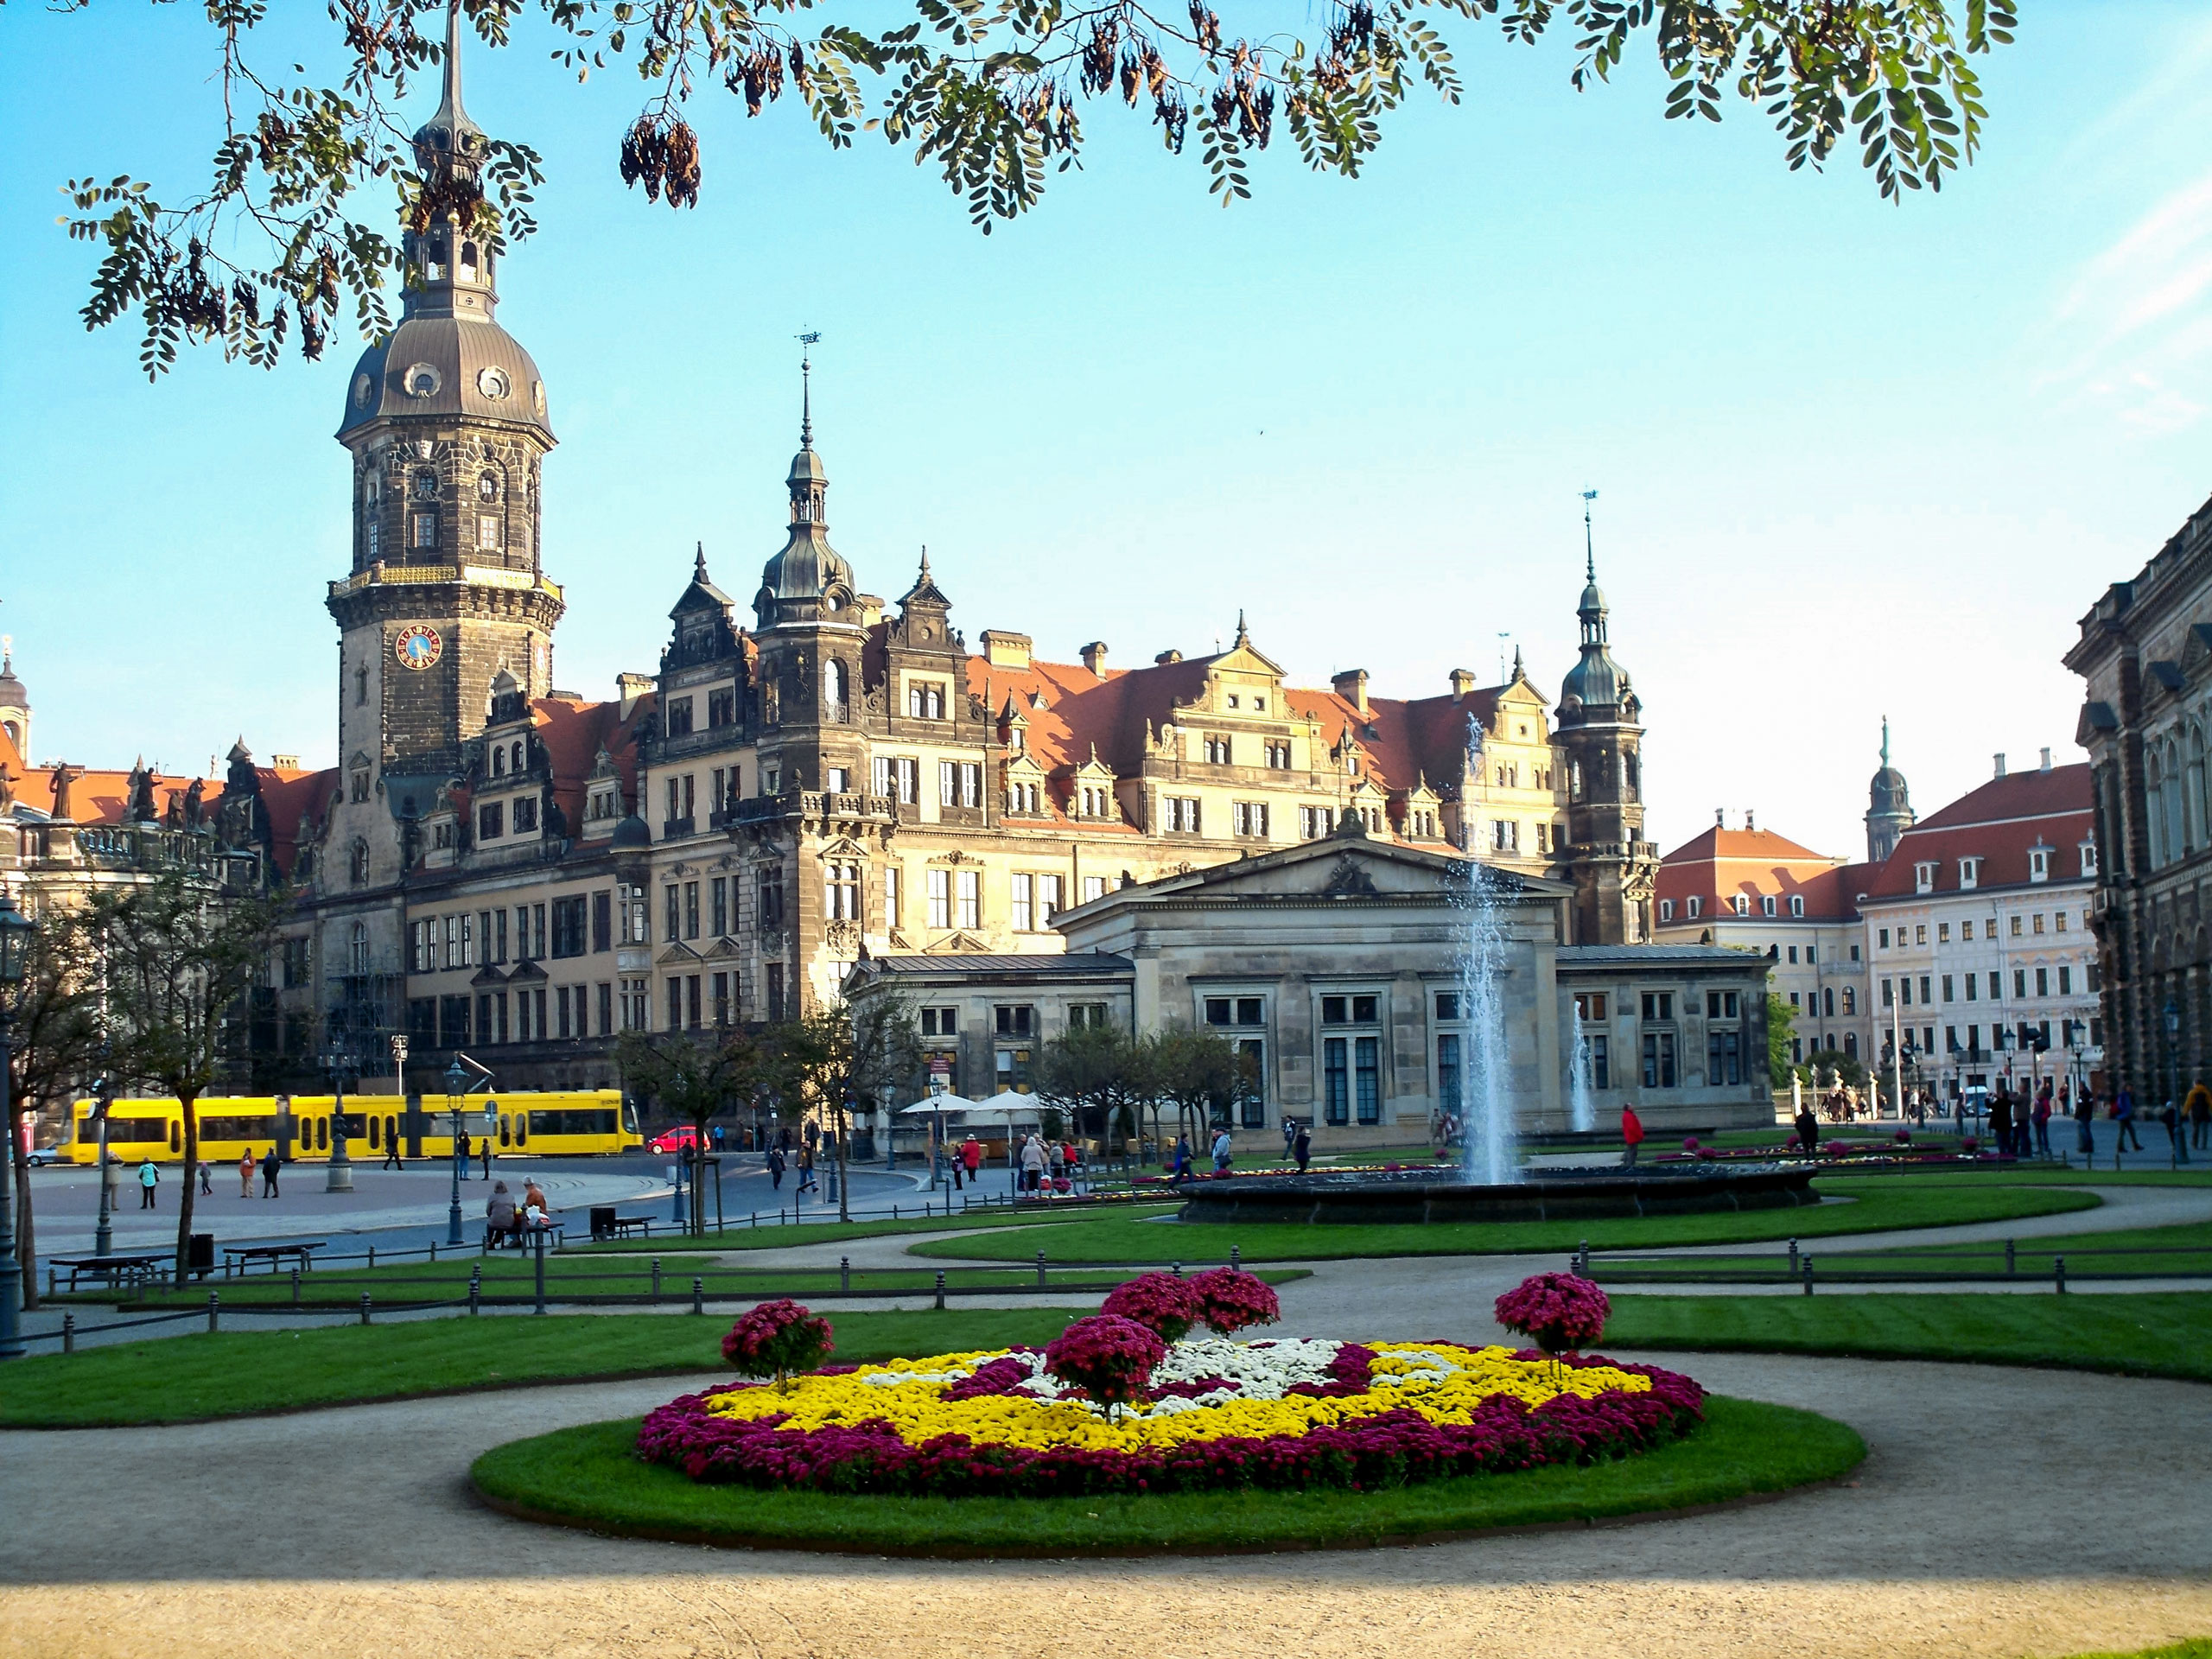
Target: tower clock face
x=418, y=646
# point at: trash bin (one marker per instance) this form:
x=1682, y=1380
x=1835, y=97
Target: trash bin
x=602, y=1221
x=201, y=1261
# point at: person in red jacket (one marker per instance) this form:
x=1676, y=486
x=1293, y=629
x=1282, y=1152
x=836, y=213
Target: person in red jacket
x=1631, y=1133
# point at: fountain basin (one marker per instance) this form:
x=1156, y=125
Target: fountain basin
x=1412, y=1197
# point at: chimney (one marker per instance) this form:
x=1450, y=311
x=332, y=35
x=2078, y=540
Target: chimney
x=1462, y=682
x=2000, y=765
x=1720, y=817
x=1093, y=658
x=1351, y=686
x=285, y=762
x=1750, y=822
x=629, y=688
x=2046, y=761
x=1168, y=656
x=1004, y=650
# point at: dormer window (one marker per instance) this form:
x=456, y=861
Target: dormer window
x=1796, y=903
x=1666, y=910
x=1969, y=872
x=2039, y=863
x=1923, y=877
x=491, y=820
x=1767, y=906
x=2089, y=858
x=1015, y=740
x=1696, y=906
x=1743, y=904
x=925, y=699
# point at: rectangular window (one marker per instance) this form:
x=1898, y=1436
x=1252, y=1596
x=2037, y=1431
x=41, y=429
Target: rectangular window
x=718, y=898
x=721, y=708
x=1367, y=1078
x=672, y=910
x=606, y=1009
x=1216, y=1010
x=421, y=953
x=1182, y=815
x=679, y=717
x=940, y=892
x=522, y=1016
x=722, y=1007
x=1315, y=822
x=1724, y=1058
x=426, y=532
x=890, y=896
x=2019, y=981
x=940, y=1022
x=1012, y=1019
x=840, y=892
x=1947, y=987
x=1250, y=818
x=691, y=999
x=772, y=896
x=1601, y=1073
x=491, y=820
x=1048, y=900
x=1973, y=983
x=1336, y=1099
x=1589, y=1006
x=2043, y=982
x=948, y=783
x=690, y=910
x=971, y=887
x=562, y=1027
x=1020, y=916
x=1793, y=956
x=2065, y=980
x=1659, y=1059
x=675, y=1001
x=1094, y=886
x=1447, y=1074
x=602, y=921
x=1658, y=1005
x=1924, y=998
x=1884, y=939
x=1995, y=990
x=569, y=926
x=453, y=1020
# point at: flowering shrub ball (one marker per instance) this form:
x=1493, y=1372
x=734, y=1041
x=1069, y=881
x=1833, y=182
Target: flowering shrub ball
x=1904, y=1137
x=1690, y=1143
x=777, y=1338
x=1108, y=1357
x=1205, y=1415
x=1163, y=1304
x=1233, y=1299
x=1561, y=1312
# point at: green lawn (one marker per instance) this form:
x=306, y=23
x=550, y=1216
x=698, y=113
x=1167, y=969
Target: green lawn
x=2196, y=1647
x=2151, y=1335
x=1879, y=1203
x=589, y=1476
x=196, y=1378
x=588, y=1278
x=2087, y=1253
x=773, y=1238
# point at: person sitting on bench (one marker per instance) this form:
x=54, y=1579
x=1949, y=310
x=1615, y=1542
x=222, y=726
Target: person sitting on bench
x=500, y=1217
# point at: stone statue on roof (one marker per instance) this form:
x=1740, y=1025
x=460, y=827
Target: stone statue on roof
x=62, y=778
x=7, y=789
x=194, y=807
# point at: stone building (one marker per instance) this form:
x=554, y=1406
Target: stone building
x=497, y=865
x=2145, y=656
x=1335, y=967
x=1754, y=890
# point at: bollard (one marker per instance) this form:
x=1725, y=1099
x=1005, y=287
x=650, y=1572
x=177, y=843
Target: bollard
x=2009, y=1269
x=1235, y=1258
x=1793, y=1258
x=541, y=1272
x=1178, y=1269
x=476, y=1288
x=50, y=1282
x=68, y=1333
x=1041, y=1269
x=844, y=1272
x=373, y=1258
x=656, y=1278
x=1808, y=1275
x=212, y=1303
x=2058, y=1273
x=365, y=1307
x=698, y=1295
x=940, y=1290
x=434, y=1252
x=295, y=1286
x=894, y=1212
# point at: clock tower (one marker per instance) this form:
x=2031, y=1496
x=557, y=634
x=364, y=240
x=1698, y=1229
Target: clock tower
x=446, y=421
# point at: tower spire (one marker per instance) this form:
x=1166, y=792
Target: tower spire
x=806, y=343
x=699, y=563
x=1589, y=546
x=1885, y=739
x=449, y=106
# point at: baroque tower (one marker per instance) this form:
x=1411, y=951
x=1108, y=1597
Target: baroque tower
x=1889, y=806
x=1613, y=868
x=446, y=421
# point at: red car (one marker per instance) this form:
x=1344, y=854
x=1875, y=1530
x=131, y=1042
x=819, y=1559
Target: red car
x=683, y=1138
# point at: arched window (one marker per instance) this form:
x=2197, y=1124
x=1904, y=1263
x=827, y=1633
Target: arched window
x=2177, y=831
x=516, y=763
x=487, y=487
x=499, y=761
x=2197, y=817
x=2154, y=813
x=358, y=946
x=833, y=691
x=1850, y=1039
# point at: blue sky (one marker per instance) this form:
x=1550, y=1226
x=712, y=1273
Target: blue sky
x=1853, y=459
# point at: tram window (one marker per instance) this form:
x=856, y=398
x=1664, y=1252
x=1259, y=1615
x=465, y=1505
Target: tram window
x=374, y=1126
x=322, y=1135
x=176, y=1134
x=506, y=1121
x=522, y=1129
x=584, y=1120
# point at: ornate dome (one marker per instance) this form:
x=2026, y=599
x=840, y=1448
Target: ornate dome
x=450, y=366
x=633, y=832
x=1597, y=680
x=809, y=580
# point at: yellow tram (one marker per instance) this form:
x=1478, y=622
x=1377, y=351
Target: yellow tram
x=583, y=1124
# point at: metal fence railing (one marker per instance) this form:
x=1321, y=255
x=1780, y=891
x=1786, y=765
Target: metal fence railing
x=2053, y=1261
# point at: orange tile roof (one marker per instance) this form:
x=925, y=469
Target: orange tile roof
x=1998, y=823
x=1718, y=864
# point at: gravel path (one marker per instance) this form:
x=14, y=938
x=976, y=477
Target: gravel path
x=2001, y=1512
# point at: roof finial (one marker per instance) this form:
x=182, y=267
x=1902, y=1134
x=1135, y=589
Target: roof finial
x=806, y=342
x=1589, y=546
x=1886, y=740
x=1518, y=670
x=699, y=563
x=1244, y=638
x=449, y=106
x=926, y=560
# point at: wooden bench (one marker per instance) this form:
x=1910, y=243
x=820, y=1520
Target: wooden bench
x=521, y=1238
x=604, y=1223
x=114, y=1269
x=243, y=1256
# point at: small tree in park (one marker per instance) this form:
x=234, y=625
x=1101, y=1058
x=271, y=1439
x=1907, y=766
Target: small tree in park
x=179, y=955
x=1099, y=1073
x=836, y=1058
x=55, y=1037
x=694, y=1075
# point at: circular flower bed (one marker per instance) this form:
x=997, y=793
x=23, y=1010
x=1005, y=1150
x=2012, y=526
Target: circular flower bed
x=1206, y=1414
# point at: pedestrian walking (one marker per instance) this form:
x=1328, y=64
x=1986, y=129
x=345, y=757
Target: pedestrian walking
x=207, y=1177
x=1033, y=1163
x=2199, y=1107
x=392, y=1159
x=270, y=1165
x=1301, y=1146
x=2123, y=1113
x=806, y=1182
x=971, y=1155
x=2085, y=1125
x=149, y=1176
x=2172, y=1118
x=1222, y=1152
x=484, y=1147
x=2042, y=1119
x=1290, y=1137
x=1808, y=1127
x=1632, y=1134
x=776, y=1166
x=463, y=1147
x=245, y=1174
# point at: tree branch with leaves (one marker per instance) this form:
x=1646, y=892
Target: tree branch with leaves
x=992, y=93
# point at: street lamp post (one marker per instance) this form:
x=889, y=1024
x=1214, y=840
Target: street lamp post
x=103, y=1229
x=2173, y=1048
x=456, y=1086
x=338, y=1175
x=15, y=930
